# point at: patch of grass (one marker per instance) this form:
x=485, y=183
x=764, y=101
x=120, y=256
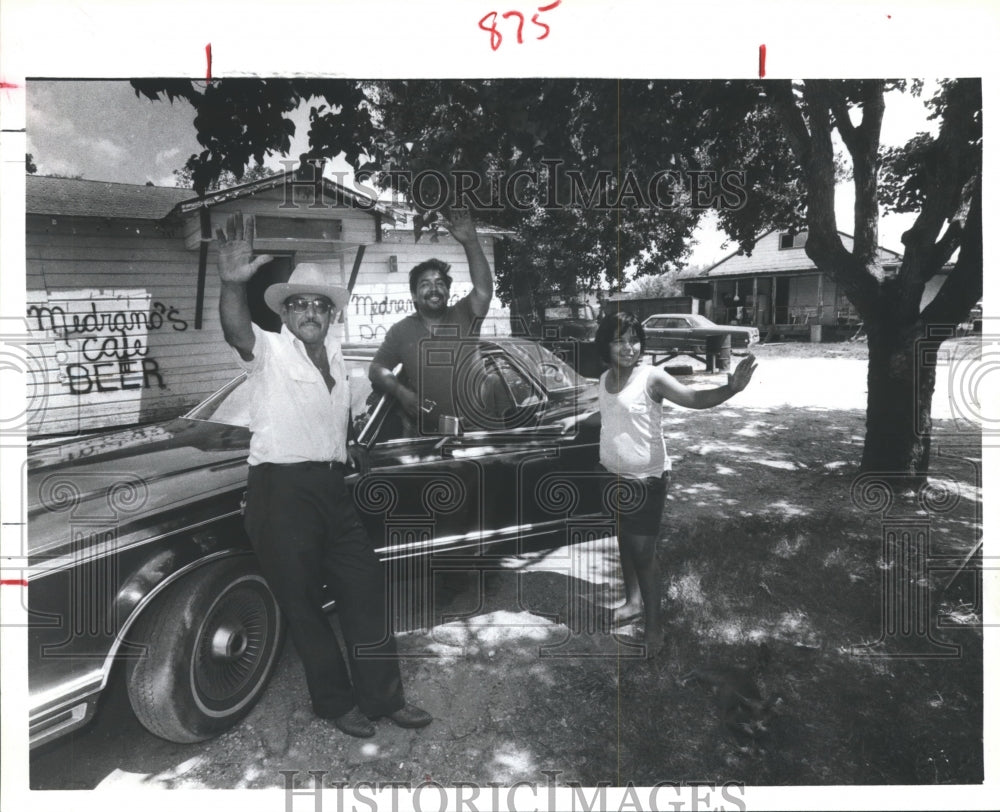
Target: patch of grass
x=799, y=606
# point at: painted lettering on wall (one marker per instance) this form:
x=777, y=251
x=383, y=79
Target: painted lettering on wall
x=370, y=315
x=373, y=310
x=100, y=339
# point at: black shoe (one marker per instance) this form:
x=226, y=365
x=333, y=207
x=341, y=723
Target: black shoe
x=410, y=716
x=355, y=723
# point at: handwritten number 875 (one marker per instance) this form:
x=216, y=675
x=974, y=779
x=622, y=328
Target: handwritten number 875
x=496, y=37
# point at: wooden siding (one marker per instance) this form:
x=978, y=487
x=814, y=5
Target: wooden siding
x=111, y=307
x=111, y=311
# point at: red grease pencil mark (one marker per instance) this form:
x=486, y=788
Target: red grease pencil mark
x=7, y=87
x=13, y=583
x=761, y=58
x=208, y=57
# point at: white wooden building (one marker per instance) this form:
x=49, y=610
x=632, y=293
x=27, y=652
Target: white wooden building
x=777, y=287
x=122, y=288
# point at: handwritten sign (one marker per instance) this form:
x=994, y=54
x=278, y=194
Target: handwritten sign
x=95, y=349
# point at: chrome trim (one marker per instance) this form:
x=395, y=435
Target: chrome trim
x=52, y=566
x=78, y=688
x=49, y=728
x=470, y=539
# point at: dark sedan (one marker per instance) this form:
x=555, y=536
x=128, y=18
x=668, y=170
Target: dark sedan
x=688, y=332
x=138, y=552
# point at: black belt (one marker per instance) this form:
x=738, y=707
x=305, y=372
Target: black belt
x=333, y=465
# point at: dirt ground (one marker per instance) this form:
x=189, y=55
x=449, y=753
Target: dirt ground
x=833, y=629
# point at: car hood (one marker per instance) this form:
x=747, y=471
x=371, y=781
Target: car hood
x=115, y=479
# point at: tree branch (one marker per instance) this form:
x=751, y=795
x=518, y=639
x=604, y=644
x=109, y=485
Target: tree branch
x=948, y=165
x=964, y=285
x=864, y=154
x=782, y=100
x=842, y=116
x=943, y=249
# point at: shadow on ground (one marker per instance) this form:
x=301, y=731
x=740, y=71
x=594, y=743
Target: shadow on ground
x=848, y=617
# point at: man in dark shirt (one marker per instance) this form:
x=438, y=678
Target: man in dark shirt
x=429, y=383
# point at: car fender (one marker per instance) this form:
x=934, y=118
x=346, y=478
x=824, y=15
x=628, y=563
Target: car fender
x=68, y=667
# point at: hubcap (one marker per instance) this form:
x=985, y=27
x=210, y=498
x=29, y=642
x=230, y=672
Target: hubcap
x=236, y=647
x=228, y=643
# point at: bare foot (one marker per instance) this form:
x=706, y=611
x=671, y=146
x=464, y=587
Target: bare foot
x=624, y=614
x=653, y=642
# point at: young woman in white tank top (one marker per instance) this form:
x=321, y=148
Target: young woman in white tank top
x=631, y=403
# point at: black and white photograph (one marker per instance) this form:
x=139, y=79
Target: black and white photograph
x=512, y=431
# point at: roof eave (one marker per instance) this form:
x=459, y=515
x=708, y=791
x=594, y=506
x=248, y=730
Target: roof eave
x=264, y=184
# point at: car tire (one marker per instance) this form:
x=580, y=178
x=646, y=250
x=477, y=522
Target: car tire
x=211, y=644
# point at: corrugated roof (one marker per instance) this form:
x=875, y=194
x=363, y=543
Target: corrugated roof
x=71, y=197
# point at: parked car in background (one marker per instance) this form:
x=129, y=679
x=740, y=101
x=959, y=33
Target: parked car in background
x=687, y=332
x=138, y=553
x=566, y=320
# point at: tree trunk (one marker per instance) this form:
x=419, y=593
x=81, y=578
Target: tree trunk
x=901, y=376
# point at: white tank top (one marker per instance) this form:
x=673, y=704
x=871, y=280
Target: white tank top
x=632, y=428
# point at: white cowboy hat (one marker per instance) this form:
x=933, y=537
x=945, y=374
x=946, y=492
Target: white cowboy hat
x=307, y=278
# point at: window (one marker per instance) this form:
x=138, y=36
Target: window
x=274, y=233
x=790, y=240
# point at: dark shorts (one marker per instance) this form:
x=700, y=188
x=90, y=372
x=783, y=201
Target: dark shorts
x=639, y=504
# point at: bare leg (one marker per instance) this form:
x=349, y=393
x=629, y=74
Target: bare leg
x=632, y=608
x=643, y=593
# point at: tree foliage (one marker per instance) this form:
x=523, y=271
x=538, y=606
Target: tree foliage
x=591, y=145
x=184, y=177
x=239, y=120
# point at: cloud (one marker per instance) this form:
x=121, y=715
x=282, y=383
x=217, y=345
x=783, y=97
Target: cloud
x=165, y=156
x=58, y=166
x=103, y=147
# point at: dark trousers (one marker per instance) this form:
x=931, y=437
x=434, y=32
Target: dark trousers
x=306, y=533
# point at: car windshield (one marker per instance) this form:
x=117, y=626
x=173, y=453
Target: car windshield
x=697, y=320
x=231, y=404
x=554, y=373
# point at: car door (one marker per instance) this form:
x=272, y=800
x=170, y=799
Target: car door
x=429, y=495
x=681, y=334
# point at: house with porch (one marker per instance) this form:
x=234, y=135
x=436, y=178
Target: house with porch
x=778, y=289
x=122, y=290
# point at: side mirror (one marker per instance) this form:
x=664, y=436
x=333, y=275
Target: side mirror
x=449, y=425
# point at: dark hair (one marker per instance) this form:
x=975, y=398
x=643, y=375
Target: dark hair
x=614, y=326
x=429, y=265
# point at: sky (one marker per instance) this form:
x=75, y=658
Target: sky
x=100, y=129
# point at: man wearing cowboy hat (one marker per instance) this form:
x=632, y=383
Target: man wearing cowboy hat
x=300, y=517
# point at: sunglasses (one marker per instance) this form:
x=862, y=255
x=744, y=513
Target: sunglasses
x=302, y=305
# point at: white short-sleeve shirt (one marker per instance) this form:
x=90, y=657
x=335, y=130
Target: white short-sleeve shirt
x=293, y=416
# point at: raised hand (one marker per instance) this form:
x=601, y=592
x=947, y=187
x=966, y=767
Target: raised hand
x=236, y=260
x=740, y=377
x=459, y=224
